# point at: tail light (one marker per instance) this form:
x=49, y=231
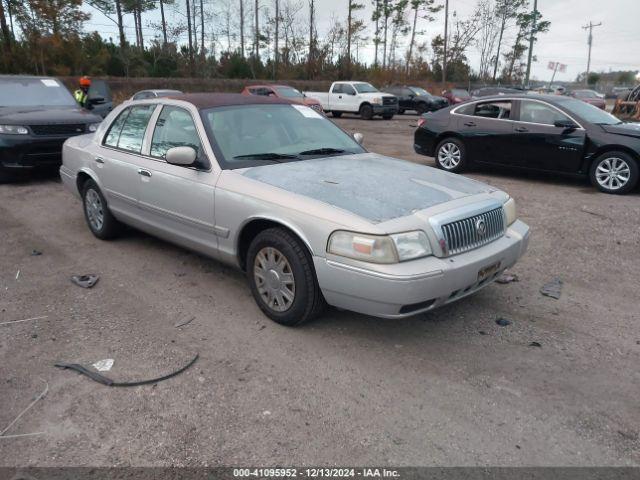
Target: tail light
x=421, y=121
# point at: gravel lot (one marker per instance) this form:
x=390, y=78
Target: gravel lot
x=447, y=388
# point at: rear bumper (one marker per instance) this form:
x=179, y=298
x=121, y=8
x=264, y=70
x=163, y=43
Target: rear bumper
x=25, y=152
x=441, y=280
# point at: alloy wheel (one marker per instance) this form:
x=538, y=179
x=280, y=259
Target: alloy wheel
x=613, y=173
x=95, y=212
x=274, y=279
x=449, y=155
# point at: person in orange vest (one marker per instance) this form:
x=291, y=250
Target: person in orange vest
x=82, y=94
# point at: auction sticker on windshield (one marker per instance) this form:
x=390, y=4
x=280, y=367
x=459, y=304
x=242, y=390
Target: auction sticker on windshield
x=307, y=112
x=50, y=83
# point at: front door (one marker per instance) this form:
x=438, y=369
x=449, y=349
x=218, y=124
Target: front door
x=178, y=201
x=542, y=145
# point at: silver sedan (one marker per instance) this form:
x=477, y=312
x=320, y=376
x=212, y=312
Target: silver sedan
x=284, y=194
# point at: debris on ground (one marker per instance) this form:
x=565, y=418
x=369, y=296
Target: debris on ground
x=18, y=275
x=15, y=420
x=23, y=320
x=85, y=281
x=35, y=253
x=103, y=365
x=96, y=377
x=507, y=278
x=186, y=322
x=503, y=322
x=482, y=332
x=552, y=289
x=535, y=344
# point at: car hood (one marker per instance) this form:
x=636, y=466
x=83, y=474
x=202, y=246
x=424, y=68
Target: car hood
x=628, y=129
x=372, y=186
x=46, y=115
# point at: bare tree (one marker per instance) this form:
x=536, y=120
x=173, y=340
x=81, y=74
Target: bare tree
x=506, y=11
x=488, y=37
x=353, y=26
x=190, y=40
x=256, y=41
x=426, y=8
x=242, y=28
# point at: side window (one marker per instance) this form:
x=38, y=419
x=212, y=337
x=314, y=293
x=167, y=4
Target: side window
x=337, y=88
x=535, y=112
x=134, y=127
x=113, y=134
x=466, y=109
x=348, y=89
x=253, y=91
x=500, y=110
x=174, y=128
x=407, y=92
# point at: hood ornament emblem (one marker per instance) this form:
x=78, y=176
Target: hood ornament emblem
x=481, y=227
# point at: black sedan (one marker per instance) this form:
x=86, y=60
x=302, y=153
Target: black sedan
x=37, y=114
x=538, y=132
x=417, y=99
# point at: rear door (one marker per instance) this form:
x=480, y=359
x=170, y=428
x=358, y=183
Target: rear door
x=486, y=128
x=119, y=158
x=178, y=201
x=539, y=144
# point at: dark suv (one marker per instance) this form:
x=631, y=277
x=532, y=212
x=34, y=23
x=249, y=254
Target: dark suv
x=416, y=98
x=37, y=114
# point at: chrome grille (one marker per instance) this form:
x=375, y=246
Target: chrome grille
x=463, y=235
x=389, y=100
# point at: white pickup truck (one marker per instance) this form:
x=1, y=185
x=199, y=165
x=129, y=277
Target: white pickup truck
x=356, y=97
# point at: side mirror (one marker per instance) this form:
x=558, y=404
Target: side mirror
x=96, y=100
x=358, y=137
x=566, y=124
x=185, y=156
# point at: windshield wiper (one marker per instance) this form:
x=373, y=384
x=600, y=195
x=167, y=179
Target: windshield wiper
x=323, y=151
x=268, y=156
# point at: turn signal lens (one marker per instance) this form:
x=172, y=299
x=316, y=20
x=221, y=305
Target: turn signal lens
x=421, y=121
x=360, y=246
x=510, y=211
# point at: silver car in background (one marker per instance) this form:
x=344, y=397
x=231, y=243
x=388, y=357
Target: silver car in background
x=281, y=192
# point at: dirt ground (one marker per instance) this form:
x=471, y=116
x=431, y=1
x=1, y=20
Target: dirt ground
x=447, y=388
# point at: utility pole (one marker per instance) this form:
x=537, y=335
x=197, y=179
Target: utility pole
x=533, y=29
x=589, y=41
x=444, y=52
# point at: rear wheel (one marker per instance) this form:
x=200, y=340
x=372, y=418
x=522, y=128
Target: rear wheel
x=366, y=112
x=614, y=172
x=387, y=116
x=451, y=155
x=99, y=219
x=282, y=278
x=336, y=114
x=401, y=111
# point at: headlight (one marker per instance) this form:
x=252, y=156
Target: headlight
x=377, y=101
x=92, y=127
x=510, y=211
x=379, y=248
x=13, y=130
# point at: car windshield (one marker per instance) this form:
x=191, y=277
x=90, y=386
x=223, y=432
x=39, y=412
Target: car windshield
x=421, y=92
x=589, y=112
x=289, y=92
x=364, y=88
x=249, y=135
x=100, y=89
x=458, y=92
x=34, y=92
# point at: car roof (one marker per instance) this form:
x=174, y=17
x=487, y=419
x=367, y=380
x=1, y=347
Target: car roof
x=210, y=100
x=269, y=85
x=524, y=96
x=26, y=77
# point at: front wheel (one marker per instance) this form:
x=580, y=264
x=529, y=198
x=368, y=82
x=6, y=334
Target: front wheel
x=336, y=114
x=451, y=155
x=99, y=219
x=614, y=172
x=366, y=112
x=282, y=278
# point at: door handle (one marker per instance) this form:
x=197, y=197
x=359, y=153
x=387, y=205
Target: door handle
x=521, y=129
x=99, y=160
x=144, y=173
x=339, y=96
x=469, y=124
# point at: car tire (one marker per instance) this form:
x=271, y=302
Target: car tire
x=387, y=116
x=366, y=111
x=451, y=155
x=421, y=108
x=614, y=172
x=274, y=255
x=5, y=177
x=336, y=114
x=401, y=111
x=100, y=220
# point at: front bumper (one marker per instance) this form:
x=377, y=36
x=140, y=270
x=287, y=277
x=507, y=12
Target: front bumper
x=395, y=293
x=25, y=152
x=385, y=109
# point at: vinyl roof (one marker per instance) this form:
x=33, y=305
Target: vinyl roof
x=210, y=100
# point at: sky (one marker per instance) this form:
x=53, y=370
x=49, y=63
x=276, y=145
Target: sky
x=616, y=43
